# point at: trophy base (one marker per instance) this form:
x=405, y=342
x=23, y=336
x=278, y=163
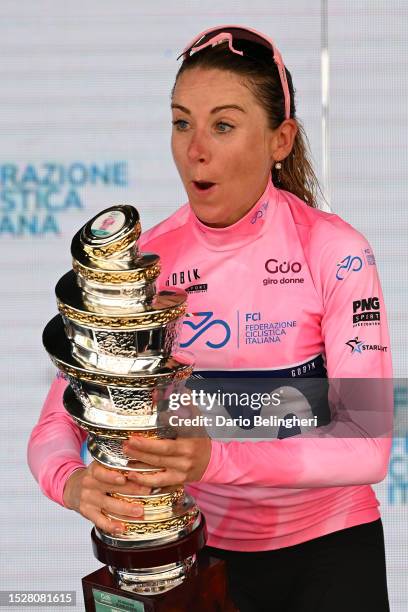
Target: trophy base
x=204, y=590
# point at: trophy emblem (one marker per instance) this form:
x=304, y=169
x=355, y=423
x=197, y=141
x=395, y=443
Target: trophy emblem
x=116, y=340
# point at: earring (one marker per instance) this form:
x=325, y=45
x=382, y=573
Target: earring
x=277, y=168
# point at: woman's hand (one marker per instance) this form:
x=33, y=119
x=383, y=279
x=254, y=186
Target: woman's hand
x=184, y=459
x=86, y=491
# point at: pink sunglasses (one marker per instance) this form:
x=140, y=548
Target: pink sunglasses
x=228, y=33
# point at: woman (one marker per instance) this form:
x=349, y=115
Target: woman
x=294, y=518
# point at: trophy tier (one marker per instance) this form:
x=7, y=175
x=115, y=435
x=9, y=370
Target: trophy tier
x=105, y=444
x=113, y=426
x=111, y=272
x=164, y=307
x=143, y=268
x=127, y=352
x=149, y=554
x=110, y=234
x=152, y=567
x=122, y=342
x=58, y=346
x=119, y=290
x=165, y=526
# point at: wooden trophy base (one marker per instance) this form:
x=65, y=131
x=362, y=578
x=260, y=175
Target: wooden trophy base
x=204, y=590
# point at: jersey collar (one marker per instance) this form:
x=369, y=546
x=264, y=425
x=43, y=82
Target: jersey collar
x=246, y=230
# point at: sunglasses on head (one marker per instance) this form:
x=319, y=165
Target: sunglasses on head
x=228, y=33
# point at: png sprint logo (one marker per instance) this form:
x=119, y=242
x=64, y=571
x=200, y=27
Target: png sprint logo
x=366, y=311
x=358, y=346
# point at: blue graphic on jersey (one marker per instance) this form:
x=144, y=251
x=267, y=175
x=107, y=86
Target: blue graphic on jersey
x=349, y=263
x=85, y=455
x=205, y=324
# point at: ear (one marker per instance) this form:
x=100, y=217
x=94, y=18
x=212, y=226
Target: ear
x=282, y=139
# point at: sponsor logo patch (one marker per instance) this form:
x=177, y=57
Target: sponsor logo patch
x=283, y=272
x=352, y=263
x=369, y=256
x=366, y=312
x=201, y=288
x=181, y=278
x=358, y=346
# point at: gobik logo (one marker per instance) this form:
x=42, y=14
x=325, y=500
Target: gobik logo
x=187, y=276
x=366, y=311
x=286, y=271
x=183, y=277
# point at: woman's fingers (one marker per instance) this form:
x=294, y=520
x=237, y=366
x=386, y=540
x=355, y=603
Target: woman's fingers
x=95, y=507
x=166, y=478
x=113, y=481
x=106, y=476
x=90, y=490
x=160, y=461
x=185, y=457
x=104, y=523
x=112, y=505
x=131, y=488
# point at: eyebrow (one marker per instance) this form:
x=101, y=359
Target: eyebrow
x=213, y=111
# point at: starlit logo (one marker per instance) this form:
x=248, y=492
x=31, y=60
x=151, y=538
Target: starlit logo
x=356, y=345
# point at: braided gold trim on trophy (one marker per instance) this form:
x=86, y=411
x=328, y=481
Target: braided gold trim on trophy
x=115, y=247
x=159, y=501
x=149, y=528
x=116, y=434
x=112, y=380
x=115, y=277
x=143, y=321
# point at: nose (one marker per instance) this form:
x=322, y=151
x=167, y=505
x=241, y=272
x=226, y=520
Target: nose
x=198, y=148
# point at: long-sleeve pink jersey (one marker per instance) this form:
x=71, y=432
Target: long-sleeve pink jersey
x=285, y=290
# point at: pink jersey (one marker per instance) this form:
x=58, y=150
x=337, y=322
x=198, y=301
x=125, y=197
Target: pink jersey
x=286, y=290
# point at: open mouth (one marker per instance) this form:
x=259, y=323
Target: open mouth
x=203, y=185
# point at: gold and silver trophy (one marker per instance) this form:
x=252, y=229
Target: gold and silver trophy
x=115, y=339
